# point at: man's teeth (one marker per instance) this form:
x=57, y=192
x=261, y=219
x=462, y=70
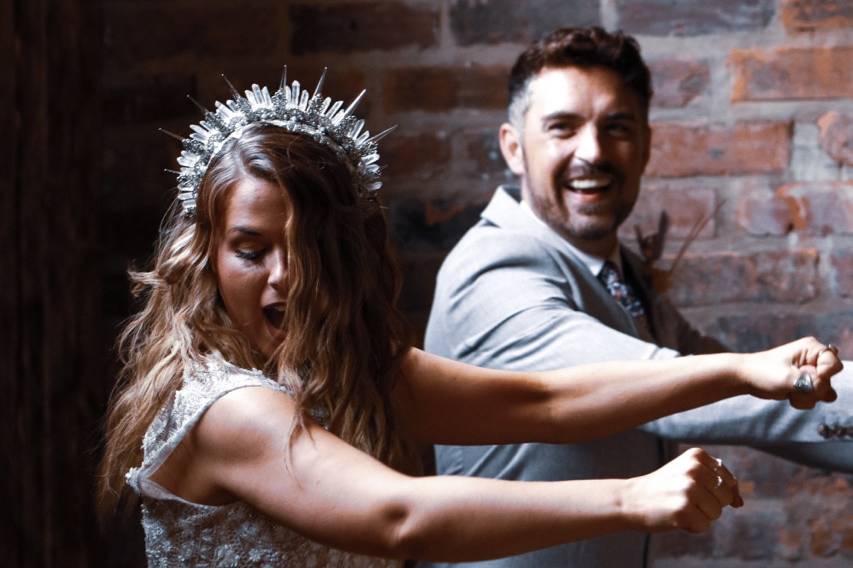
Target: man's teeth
x=589, y=183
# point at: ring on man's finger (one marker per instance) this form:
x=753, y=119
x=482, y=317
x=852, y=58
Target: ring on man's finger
x=804, y=383
x=718, y=483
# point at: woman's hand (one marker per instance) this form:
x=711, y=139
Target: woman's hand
x=807, y=363
x=688, y=493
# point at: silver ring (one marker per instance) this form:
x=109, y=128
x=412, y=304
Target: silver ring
x=719, y=481
x=804, y=383
x=829, y=347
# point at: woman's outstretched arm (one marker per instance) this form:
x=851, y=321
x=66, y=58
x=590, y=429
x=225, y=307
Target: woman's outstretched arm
x=332, y=493
x=446, y=402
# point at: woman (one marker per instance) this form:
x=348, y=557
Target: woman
x=277, y=259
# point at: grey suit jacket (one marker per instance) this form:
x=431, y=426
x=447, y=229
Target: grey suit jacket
x=512, y=295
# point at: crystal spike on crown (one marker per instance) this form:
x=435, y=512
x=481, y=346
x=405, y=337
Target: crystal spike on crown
x=291, y=108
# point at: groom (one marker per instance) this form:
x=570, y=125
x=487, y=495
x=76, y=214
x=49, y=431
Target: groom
x=541, y=282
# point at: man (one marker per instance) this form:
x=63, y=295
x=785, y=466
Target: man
x=534, y=285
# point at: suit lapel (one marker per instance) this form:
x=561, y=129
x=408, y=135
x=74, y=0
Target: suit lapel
x=587, y=293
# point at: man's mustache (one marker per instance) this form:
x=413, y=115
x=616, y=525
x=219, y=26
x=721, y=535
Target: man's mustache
x=582, y=168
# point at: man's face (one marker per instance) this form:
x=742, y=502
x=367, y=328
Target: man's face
x=583, y=149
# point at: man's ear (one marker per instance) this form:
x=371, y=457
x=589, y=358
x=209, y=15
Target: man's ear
x=511, y=149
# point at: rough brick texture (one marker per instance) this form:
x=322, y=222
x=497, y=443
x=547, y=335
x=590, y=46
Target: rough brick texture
x=762, y=213
x=685, y=205
x=138, y=33
x=836, y=136
x=448, y=88
x=421, y=155
x=692, y=17
x=820, y=208
x=842, y=266
x=485, y=22
x=362, y=26
x=792, y=73
x=677, y=82
x=680, y=150
x=810, y=15
x=716, y=278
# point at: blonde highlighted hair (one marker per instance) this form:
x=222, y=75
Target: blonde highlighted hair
x=344, y=336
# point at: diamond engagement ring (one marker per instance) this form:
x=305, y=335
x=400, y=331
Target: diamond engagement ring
x=804, y=383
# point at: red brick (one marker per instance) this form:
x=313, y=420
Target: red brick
x=362, y=26
x=773, y=276
x=154, y=98
x=422, y=155
x=842, y=268
x=809, y=15
x=823, y=541
x=746, y=148
x=434, y=225
x=136, y=33
x=675, y=544
x=792, y=73
x=677, y=82
x=498, y=21
x=684, y=205
x=482, y=148
x=790, y=544
x=435, y=89
x=692, y=17
x=820, y=208
x=843, y=527
x=762, y=213
x=768, y=328
x=836, y=136
x=746, y=536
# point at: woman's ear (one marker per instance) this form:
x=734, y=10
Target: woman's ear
x=513, y=153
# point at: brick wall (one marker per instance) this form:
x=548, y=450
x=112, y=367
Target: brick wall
x=752, y=118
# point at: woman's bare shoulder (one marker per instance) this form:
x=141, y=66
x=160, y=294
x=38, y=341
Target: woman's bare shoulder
x=245, y=422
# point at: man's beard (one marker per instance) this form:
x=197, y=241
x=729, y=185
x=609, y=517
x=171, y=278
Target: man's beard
x=575, y=224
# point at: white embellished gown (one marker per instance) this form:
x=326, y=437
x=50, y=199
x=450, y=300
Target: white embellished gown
x=182, y=533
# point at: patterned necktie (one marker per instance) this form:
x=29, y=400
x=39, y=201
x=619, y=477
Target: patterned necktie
x=620, y=290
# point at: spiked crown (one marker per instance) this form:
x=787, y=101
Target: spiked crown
x=291, y=107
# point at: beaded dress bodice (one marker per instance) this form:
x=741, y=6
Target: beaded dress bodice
x=182, y=533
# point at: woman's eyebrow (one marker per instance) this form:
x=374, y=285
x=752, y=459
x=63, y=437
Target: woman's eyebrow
x=245, y=230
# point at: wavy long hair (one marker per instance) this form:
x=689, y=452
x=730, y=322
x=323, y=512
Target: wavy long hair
x=344, y=337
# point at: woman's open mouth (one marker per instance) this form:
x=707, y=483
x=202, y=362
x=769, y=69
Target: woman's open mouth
x=274, y=316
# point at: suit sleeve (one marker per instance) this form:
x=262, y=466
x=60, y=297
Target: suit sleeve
x=504, y=301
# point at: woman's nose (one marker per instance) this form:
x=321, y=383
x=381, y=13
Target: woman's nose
x=278, y=270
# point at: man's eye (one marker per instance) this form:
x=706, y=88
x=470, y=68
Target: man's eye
x=619, y=129
x=561, y=129
x=249, y=254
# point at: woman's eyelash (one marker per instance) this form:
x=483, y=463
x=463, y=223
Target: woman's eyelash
x=249, y=254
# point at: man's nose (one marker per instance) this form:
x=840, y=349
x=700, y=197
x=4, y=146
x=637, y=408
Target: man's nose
x=588, y=146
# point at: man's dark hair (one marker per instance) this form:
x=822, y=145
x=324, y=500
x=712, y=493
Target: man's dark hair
x=579, y=47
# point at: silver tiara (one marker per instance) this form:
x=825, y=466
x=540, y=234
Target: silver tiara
x=291, y=108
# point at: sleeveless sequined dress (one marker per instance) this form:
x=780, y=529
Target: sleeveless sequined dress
x=181, y=533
